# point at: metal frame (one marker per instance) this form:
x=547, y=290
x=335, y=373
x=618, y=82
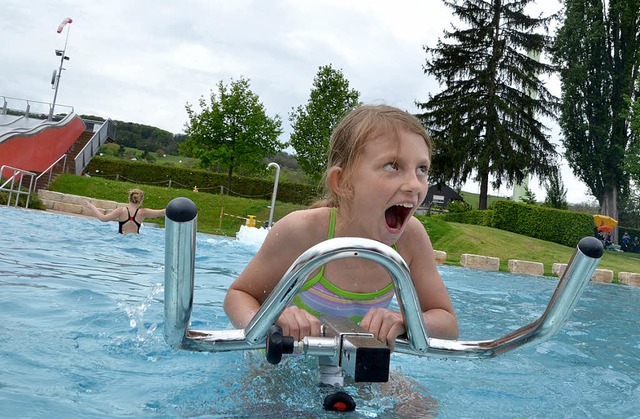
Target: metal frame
x=181, y=220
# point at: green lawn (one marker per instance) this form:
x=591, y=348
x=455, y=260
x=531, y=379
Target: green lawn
x=108, y=151
x=452, y=238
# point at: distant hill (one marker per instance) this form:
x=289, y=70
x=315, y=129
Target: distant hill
x=144, y=137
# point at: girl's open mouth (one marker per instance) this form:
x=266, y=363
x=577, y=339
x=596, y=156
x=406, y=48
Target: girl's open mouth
x=396, y=216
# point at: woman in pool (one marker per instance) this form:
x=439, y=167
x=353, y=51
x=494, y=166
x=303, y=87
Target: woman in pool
x=376, y=178
x=129, y=217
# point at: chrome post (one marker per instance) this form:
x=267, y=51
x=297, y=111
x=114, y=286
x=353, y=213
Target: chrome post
x=275, y=192
x=179, y=261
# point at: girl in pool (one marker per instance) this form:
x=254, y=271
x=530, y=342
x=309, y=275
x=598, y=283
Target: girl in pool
x=129, y=217
x=376, y=178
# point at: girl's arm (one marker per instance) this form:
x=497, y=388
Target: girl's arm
x=246, y=294
x=152, y=213
x=439, y=316
x=437, y=310
x=110, y=216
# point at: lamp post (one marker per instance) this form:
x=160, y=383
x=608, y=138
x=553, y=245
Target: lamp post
x=275, y=191
x=55, y=79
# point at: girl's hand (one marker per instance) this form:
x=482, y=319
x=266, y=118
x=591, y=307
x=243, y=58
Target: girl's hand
x=386, y=325
x=298, y=323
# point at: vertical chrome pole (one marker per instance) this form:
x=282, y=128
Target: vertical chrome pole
x=275, y=191
x=179, y=265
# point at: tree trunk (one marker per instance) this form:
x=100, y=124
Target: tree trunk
x=484, y=190
x=609, y=206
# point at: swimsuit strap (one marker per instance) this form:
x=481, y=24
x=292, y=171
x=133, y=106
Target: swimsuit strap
x=320, y=297
x=330, y=234
x=332, y=224
x=130, y=218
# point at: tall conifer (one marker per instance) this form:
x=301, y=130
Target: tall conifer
x=486, y=121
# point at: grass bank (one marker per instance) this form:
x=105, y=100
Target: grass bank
x=452, y=238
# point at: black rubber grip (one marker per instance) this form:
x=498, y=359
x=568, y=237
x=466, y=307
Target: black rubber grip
x=592, y=247
x=181, y=210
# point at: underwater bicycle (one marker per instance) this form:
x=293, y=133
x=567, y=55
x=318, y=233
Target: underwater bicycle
x=344, y=348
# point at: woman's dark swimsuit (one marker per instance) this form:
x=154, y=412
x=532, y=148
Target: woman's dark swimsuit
x=121, y=223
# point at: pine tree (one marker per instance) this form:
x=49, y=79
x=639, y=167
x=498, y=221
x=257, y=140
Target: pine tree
x=529, y=197
x=485, y=122
x=556, y=192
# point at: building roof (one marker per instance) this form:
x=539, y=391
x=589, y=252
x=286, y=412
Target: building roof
x=441, y=194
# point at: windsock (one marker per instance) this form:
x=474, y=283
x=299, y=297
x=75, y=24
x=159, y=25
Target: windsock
x=64, y=23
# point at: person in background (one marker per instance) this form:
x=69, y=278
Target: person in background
x=376, y=178
x=129, y=217
x=608, y=241
x=626, y=241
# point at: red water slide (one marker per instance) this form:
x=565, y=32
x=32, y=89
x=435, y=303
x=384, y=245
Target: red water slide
x=36, y=149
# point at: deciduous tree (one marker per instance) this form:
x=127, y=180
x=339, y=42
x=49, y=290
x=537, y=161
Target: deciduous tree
x=598, y=50
x=632, y=159
x=313, y=123
x=232, y=130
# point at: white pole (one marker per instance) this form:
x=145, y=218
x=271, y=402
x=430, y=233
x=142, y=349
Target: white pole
x=275, y=191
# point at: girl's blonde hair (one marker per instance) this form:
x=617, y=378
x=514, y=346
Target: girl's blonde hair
x=352, y=133
x=136, y=196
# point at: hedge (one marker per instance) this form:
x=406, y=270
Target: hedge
x=157, y=174
x=549, y=224
x=477, y=217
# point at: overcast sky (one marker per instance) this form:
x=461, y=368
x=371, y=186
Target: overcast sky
x=142, y=61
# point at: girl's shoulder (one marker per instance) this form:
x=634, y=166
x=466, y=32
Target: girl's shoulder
x=310, y=217
x=415, y=239
x=308, y=225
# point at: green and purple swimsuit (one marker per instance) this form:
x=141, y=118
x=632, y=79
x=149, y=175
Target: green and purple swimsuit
x=320, y=297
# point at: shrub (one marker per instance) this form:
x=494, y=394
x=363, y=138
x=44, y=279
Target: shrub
x=554, y=225
x=455, y=205
x=550, y=224
x=206, y=181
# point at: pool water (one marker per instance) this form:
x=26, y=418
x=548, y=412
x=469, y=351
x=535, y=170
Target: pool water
x=81, y=336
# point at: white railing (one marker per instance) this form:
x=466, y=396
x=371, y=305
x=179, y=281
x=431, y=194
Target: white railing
x=106, y=131
x=11, y=186
x=50, y=170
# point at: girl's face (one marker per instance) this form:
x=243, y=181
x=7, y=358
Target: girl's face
x=388, y=184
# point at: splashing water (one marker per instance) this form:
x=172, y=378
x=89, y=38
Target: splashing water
x=136, y=313
x=252, y=236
